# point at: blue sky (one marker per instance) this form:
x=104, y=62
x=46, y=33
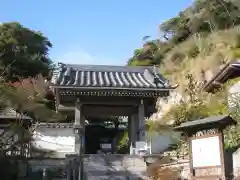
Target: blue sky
x=93, y=32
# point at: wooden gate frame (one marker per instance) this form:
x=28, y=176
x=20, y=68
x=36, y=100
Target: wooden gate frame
x=205, y=128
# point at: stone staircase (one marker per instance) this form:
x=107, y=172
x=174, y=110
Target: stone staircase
x=114, y=167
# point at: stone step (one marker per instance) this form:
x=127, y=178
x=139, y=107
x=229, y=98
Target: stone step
x=114, y=178
x=114, y=166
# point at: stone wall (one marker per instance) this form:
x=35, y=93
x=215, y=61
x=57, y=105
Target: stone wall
x=232, y=165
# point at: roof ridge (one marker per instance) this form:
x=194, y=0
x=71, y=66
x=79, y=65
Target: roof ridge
x=132, y=77
x=102, y=65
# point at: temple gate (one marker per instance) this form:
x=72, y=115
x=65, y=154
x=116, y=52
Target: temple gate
x=100, y=91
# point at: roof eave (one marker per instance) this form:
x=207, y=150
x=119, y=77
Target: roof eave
x=113, y=88
x=221, y=76
x=223, y=121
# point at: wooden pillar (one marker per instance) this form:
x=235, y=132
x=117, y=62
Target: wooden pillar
x=68, y=167
x=75, y=169
x=141, y=122
x=132, y=133
x=73, y=174
x=82, y=121
x=129, y=132
x=79, y=126
x=77, y=122
x=68, y=171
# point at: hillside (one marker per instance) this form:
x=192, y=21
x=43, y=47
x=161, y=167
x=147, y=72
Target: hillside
x=201, y=56
x=198, y=41
x=194, y=45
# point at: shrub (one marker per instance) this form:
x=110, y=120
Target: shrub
x=177, y=57
x=193, y=51
x=237, y=41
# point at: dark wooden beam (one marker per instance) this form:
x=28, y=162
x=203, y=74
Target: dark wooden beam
x=122, y=101
x=95, y=110
x=102, y=110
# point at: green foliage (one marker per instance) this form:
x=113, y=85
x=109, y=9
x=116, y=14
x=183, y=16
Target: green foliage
x=7, y=95
x=195, y=41
x=21, y=100
x=124, y=141
x=197, y=105
x=232, y=133
x=202, y=17
x=193, y=51
x=177, y=57
x=23, y=56
x=136, y=62
x=237, y=43
x=23, y=52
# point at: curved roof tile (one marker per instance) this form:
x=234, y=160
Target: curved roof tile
x=109, y=76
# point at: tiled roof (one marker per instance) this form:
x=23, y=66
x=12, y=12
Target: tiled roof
x=229, y=71
x=212, y=120
x=100, y=76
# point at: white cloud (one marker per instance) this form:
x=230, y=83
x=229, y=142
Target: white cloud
x=83, y=57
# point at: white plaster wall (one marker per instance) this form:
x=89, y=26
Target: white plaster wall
x=59, y=140
x=160, y=142
x=234, y=95
x=236, y=159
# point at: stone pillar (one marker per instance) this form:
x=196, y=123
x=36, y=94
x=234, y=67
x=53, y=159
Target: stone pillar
x=142, y=123
x=44, y=174
x=71, y=166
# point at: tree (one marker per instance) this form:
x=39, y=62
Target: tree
x=24, y=66
x=23, y=52
x=201, y=17
x=176, y=29
x=219, y=13
x=27, y=98
x=152, y=53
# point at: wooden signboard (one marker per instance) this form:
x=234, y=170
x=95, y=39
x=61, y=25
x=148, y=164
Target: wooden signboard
x=207, y=155
x=206, y=149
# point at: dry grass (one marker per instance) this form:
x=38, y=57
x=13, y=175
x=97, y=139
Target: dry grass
x=201, y=54
x=165, y=173
x=158, y=172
